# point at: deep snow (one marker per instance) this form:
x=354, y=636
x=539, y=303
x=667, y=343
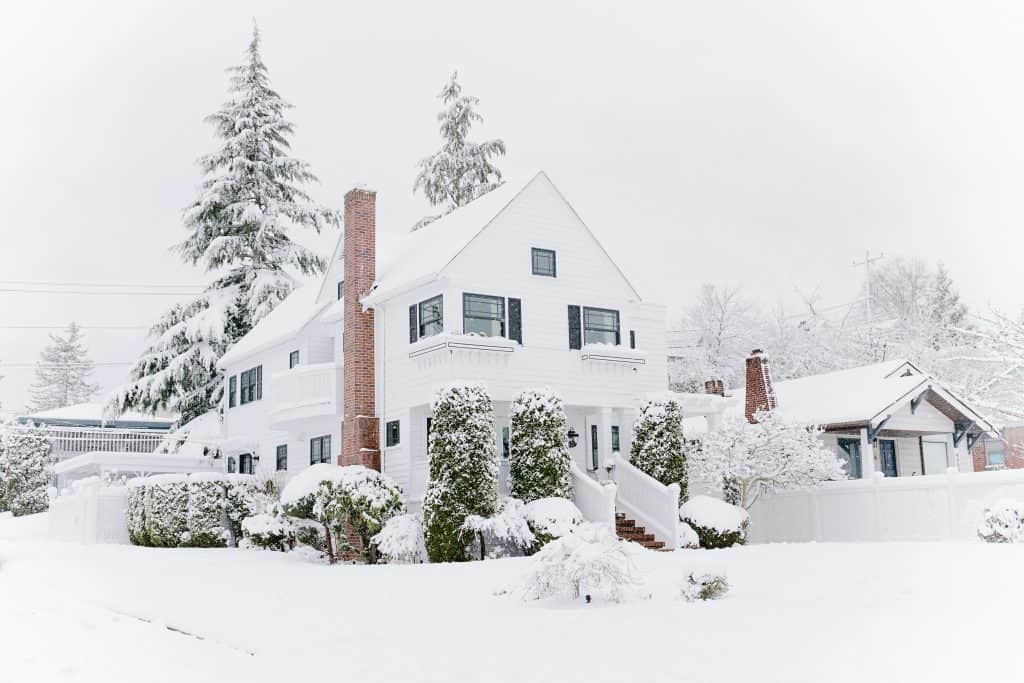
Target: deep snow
x=803, y=612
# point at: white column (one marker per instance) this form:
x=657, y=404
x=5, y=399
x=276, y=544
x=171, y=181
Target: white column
x=604, y=443
x=867, y=456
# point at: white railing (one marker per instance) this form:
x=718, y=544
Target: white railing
x=595, y=500
x=91, y=512
x=68, y=441
x=652, y=504
x=304, y=391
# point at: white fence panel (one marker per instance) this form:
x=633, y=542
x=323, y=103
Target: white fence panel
x=90, y=513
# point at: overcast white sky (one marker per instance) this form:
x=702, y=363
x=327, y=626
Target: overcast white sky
x=753, y=143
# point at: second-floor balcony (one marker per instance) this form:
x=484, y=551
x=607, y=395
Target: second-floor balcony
x=305, y=391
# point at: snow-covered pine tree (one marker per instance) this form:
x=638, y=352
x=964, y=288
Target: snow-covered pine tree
x=946, y=312
x=463, y=477
x=658, y=444
x=540, y=463
x=24, y=471
x=461, y=170
x=251, y=198
x=62, y=372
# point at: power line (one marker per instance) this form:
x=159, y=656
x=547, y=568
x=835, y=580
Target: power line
x=65, y=365
x=66, y=283
x=83, y=291
x=81, y=327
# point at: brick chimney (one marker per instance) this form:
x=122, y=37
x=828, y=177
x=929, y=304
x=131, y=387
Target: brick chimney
x=360, y=440
x=714, y=386
x=760, y=394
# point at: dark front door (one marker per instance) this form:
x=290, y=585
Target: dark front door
x=887, y=454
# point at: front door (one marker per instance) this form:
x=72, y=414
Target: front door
x=887, y=454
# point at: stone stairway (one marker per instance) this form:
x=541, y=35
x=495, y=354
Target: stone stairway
x=628, y=531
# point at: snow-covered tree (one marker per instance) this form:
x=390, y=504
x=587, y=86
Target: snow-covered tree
x=461, y=170
x=506, y=530
x=772, y=454
x=658, y=443
x=25, y=471
x=363, y=501
x=240, y=225
x=463, y=477
x=539, y=460
x=62, y=372
x=987, y=369
x=401, y=539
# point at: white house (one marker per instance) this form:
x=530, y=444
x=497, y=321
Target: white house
x=512, y=289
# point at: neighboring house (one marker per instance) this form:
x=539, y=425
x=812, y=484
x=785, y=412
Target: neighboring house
x=889, y=417
x=1003, y=452
x=512, y=289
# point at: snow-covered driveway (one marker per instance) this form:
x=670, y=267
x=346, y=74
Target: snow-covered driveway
x=856, y=612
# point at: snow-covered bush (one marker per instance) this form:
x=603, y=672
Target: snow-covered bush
x=205, y=516
x=1003, y=522
x=704, y=587
x=539, y=460
x=167, y=510
x=307, y=497
x=269, y=530
x=245, y=495
x=401, y=539
x=24, y=471
x=136, y=512
x=658, y=443
x=716, y=523
x=506, y=532
x=363, y=501
x=688, y=538
x=591, y=561
x=551, y=518
x=772, y=454
x=463, y=469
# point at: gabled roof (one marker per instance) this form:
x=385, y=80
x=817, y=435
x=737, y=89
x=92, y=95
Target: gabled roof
x=290, y=316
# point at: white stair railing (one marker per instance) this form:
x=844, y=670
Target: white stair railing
x=652, y=504
x=595, y=500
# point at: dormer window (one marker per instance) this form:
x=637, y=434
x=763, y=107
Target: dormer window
x=341, y=288
x=543, y=262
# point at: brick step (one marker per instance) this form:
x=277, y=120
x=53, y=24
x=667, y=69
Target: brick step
x=627, y=530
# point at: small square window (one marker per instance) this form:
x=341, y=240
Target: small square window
x=341, y=288
x=543, y=262
x=293, y=359
x=282, y=458
x=392, y=435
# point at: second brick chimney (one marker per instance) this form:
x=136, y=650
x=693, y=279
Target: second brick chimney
x=714, y=386
x=760, y=394
x=360, y=440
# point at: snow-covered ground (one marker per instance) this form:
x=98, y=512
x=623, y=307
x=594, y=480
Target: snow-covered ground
x=811, y=612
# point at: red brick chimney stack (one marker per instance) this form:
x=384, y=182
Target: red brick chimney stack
x=760, y=394
x=360, y=441
x=714, y=386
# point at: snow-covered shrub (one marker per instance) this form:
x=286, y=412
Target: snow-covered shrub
x=717, y=523
x=591, y=561
x=704, y=587
x=551, y=518
x=658, y=443
x=24, y=471
x=505, y=533
x=136, y=512
x=401, y=539
x=310, y=534
x=206, y=500
x=308, y=496
x=245, y=495
x=269, y=530
x=539, y=460
x=1003, y=522
x=167, y=510
x=363, y=501
x=688, y=538
x=463, y=469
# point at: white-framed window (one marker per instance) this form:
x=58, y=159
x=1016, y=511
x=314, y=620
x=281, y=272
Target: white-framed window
x=483, y=314
x=320, y=449
x=543, y=262
x=601, y=326
x=252, y=385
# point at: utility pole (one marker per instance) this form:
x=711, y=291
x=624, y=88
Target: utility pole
x=868, y=260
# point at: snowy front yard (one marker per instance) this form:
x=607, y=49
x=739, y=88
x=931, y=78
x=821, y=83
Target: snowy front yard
x=826, y=612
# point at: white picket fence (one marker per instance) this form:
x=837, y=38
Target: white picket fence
x=90, y=512
x=934, y=507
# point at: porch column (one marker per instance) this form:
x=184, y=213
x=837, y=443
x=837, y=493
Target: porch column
x=867, y=456
x=604, y=443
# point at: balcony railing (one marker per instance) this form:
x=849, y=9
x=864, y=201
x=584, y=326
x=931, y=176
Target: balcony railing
x=305, y=391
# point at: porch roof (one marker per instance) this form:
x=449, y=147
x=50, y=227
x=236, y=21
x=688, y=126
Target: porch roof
x=133, y=462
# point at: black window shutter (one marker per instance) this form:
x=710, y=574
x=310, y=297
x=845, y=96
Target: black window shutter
x=259, y=382
x=413, y=326
x=575, y=333
x=632, y=339
x=515, y=320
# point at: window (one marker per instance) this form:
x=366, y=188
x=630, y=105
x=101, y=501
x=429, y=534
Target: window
x=849, y=453
x=231, y=464
x=483, y=315
x=887, y=455
x=506, y=449
x=615, y=438
x=320, y=449
x=391, y=433
x=431, y=316
x=245, y=463
x=600, y=326
x=543, y=262
x=282, y=458
x=293, y=359
x=232, y=386
x=341, y=288
x=252, y=385
x=995, y=455
x=594, y=460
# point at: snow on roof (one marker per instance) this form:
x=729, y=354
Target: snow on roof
x=93, y=412
x=291, y=315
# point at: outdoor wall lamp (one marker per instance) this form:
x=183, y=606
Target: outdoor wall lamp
x=573, y=437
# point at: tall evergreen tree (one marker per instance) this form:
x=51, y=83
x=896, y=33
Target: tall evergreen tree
x=539, y=464
x=62, y=372
x=250, y=199
x=461, y=170
x=658, y=444
x=24, y=475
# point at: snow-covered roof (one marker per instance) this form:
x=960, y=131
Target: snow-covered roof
x=133, y=462
x=89, y=414
x=290, y=316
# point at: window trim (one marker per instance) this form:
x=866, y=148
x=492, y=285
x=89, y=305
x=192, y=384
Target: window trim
x=538, y=251
x=392, y=439
x=293, y=359
x=504, y=312
x=324, y=443
x=281, y=450
x=420, y=322
x=584, y=328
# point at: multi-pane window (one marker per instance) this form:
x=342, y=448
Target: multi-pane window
x=392, y=434
x=245, y=463
x=282, y=457
x=600, y=326
x=543, y=262
x=320, y=449
x=252, y=385
x=293, y=359
x=232, y=388
x=341, y=288
x=431, y=314
x=615, y=438
x=231, y=464
x=483, y=315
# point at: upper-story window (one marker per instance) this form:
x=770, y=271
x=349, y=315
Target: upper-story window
x=293, y=359
x=252, y=385
x=431, y=313
x=341, y=288
x=483, y=314
x=543, y=262
x=600, y=326
x=232, y=388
